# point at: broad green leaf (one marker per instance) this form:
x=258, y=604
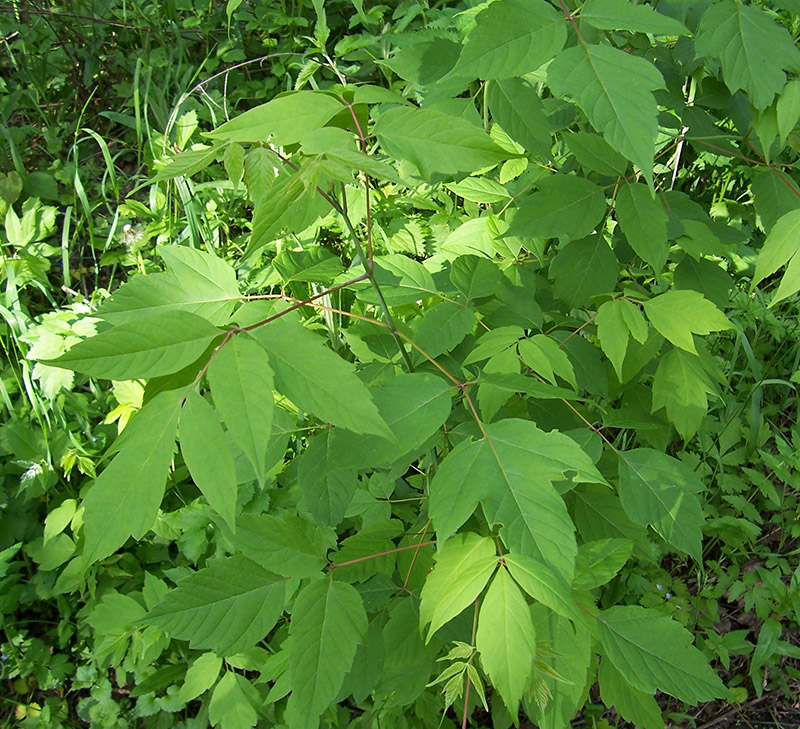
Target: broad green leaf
x=753, y=49
x=160, y=292
x=511, y=472
x=788, y=109
x=475, y=277
x=438, y=144
x=659, y=490
x=644, y=221
x=260, y=172
x=371, y=540
x=58, y=519
x=780, y=248
x=327, y=480
x=241, y=385
x=542, y=584
x=614, y=90
x=506, y=640
x=705, y=276
x=511, y=38
x=402, y=280
x=624, y=15
x=613, y=333
x=595, y=154
x=599, y=515
x=464, y=565
x=185, y=164
x=208, y=456
x=124, y=499
x=310, y=374
x=584, y=268
x=284, y=120
x=233, y=703
x=442, y=327
x=228, y=606
x=545, y=357
x=682, y=385
x=772, y=197
x=479, y=190
x=633, y=705
x=149, y=346
x=679, y=314
x=494, y=342
x=316, y=264
x=600, y=560
x=200, y=270
x=653, y=652
x=328, y=623
x=286, y=545
x=201, y=676
x=517, y=108
x=565, y=205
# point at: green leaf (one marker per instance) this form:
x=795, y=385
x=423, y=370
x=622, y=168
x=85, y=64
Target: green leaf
x=543, y=585
x=443, y=327
x=595, y=154
x=282, y=121
x=149, y=346
x=208, y=456
x=464, y=565
x=653, y=652
x=316, y=264
x=200, y=677
x=124, y=499
x=241, y=385
x=506, y=640
x=511, y=472
x=633, y=705
x=779, y=249
x=584, y=268
x=644, y=221
x=328, y=623
x=681, y=385
x=402, y=280
x=439, y=145
x=614, y=90
x=659, y=490
x=679, y=314
x=753, y=49
x=159, y=292
x=310, y=374
x=788, y=109
x=545, y=357
x=517, y=108
x=326, y=480
x=623, y=15
x=613, y=333
x=286, y=545
x=233, y=703
x=479, y=190
x=705, y=276
x=511, y=38
x=200, y=271
x=565, y=205
x=227, y=607
x=599, y=561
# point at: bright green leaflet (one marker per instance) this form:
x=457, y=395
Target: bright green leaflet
x=644, y=221
x=241, y=384
x=752, y=47
x=442, y=327
x=212, y=469
x=659, y=490
x=464, y=565
x=310, y=374
x=614, y=90
x=284, y=120
x=600, y=560
x=505, y=639
x=124, y=499
x=612, y=332
x=679, y=314
x=543, y=585
x=511, y=38
x=328, y=623
x=518, y=109
x=622, y=15
x=233, y=703
x=584, y=268
x=779, y=249
x=441, y=146
x=226, y=607
x=633, y=705
x=149, y=346
x=653, y=652
x=201, y=676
